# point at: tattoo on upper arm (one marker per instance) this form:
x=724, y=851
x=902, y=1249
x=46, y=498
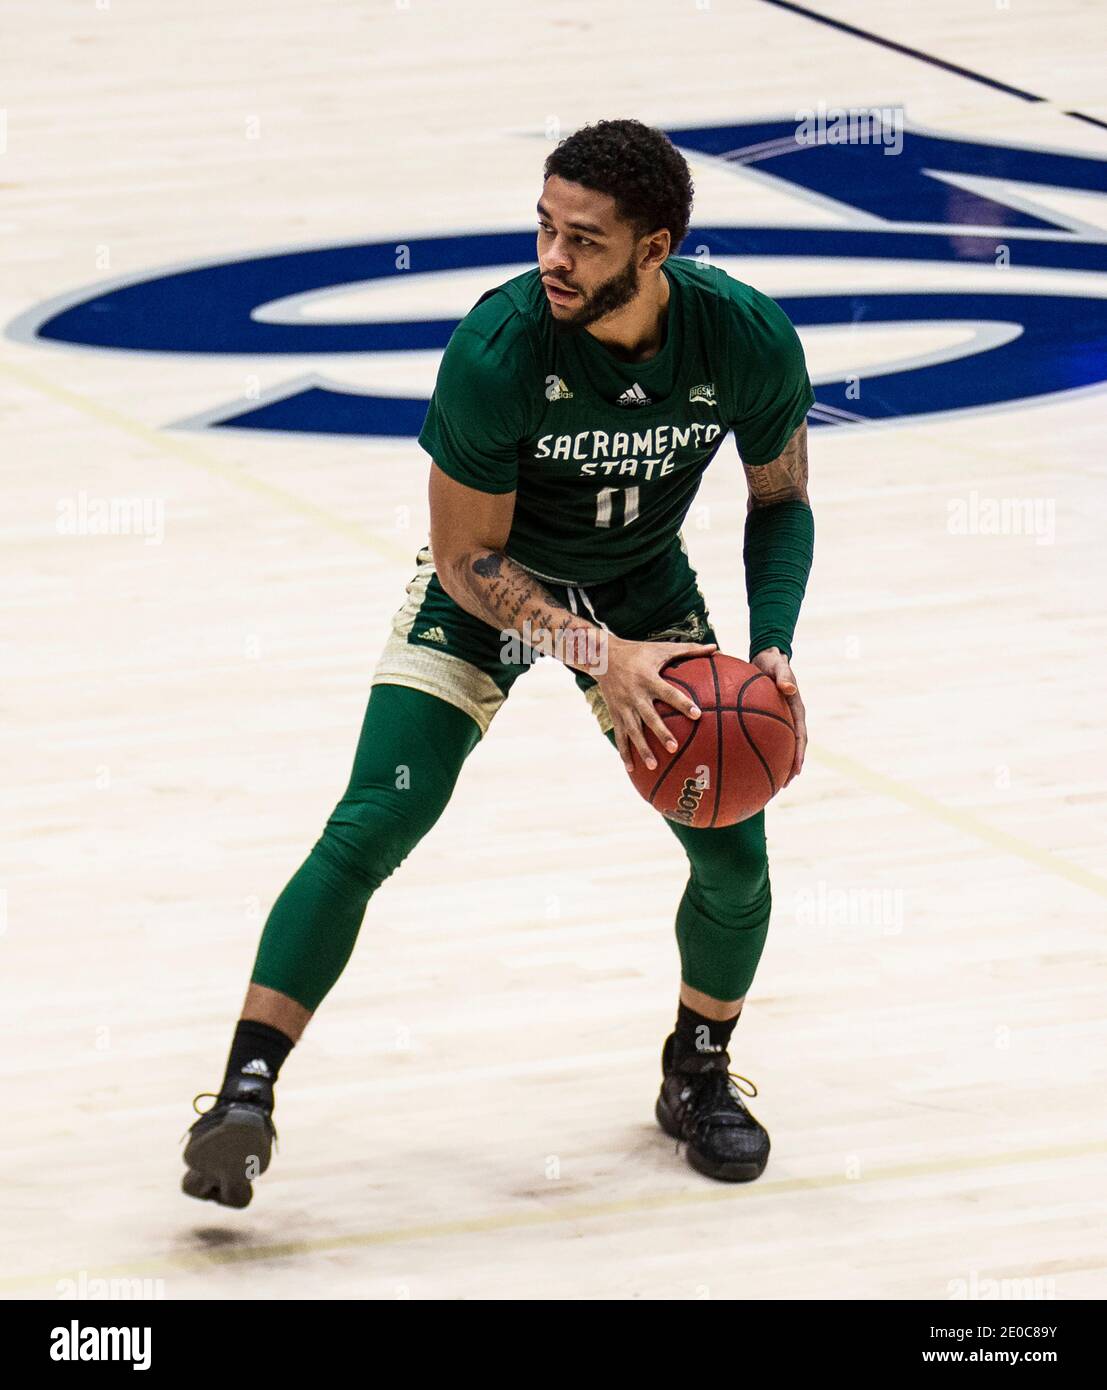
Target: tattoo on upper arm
x=784, y=479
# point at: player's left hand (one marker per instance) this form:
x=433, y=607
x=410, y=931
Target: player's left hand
x=775, y=664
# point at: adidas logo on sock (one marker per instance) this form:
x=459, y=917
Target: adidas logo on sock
x=256, y=1068
x=634, y=395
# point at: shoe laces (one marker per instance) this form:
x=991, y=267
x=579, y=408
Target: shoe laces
x=716, y=1098
x=731, y=1080
x=205, y=1095
x=215, y=1098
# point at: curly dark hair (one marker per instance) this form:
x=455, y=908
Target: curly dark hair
x=637, y=166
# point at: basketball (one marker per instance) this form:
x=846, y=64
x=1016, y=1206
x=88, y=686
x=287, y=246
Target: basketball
x=732, y=760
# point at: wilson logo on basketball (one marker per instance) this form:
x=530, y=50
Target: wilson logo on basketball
x=688, y=802
x=732, y=760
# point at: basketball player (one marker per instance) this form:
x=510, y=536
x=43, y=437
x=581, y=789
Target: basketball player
x=575, y=411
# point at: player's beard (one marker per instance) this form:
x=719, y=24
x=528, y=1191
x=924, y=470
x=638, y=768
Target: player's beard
x=605, y=299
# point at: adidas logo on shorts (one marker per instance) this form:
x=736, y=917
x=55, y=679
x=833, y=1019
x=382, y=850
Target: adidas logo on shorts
x=432, y=634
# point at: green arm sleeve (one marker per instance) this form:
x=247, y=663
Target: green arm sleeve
x=771, y=394
x=779, y=547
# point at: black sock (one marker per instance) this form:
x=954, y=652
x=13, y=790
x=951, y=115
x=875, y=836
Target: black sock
x=699, y=1034
x=257, y=1050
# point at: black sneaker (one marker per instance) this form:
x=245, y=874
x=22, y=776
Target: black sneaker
x=230, y=1144
x=701, y=1104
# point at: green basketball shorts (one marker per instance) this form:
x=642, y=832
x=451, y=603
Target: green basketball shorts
x=437, y=647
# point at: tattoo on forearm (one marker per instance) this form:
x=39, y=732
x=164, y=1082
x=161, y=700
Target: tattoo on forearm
x=508, y=596
x=784, y=479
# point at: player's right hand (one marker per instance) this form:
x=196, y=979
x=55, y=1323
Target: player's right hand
x=630, y=685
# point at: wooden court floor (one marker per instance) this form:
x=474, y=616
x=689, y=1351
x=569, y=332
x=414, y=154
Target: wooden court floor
x=470, y=1115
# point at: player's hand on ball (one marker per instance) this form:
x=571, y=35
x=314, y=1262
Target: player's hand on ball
x=632, y=683
x=775, y=664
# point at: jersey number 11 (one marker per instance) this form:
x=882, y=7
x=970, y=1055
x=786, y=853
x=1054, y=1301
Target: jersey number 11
x=603, y=504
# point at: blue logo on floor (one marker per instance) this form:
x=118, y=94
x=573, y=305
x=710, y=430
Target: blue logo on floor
x=936, y=201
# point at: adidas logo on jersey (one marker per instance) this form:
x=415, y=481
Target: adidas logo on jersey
x=432, y=634
x=256, y=1068
x=634, y=395
x=556, y=390
x=704, y=394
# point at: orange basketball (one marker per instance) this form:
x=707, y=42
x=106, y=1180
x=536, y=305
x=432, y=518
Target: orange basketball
x=730, y=761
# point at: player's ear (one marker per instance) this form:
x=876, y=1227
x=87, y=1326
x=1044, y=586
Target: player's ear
x=654, y=249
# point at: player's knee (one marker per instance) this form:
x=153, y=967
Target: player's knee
x=372, y=831
x=738, y=903
x=731, y=863
x=731, y=885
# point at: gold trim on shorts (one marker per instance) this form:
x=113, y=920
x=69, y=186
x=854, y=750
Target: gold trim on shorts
x=598, y=705
x=450, y=677
x=691, y=629
x=466, y=686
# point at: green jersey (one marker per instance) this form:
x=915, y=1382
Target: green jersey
x=605, y=456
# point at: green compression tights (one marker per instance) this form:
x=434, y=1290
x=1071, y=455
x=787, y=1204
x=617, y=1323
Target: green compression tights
x=411, y=750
